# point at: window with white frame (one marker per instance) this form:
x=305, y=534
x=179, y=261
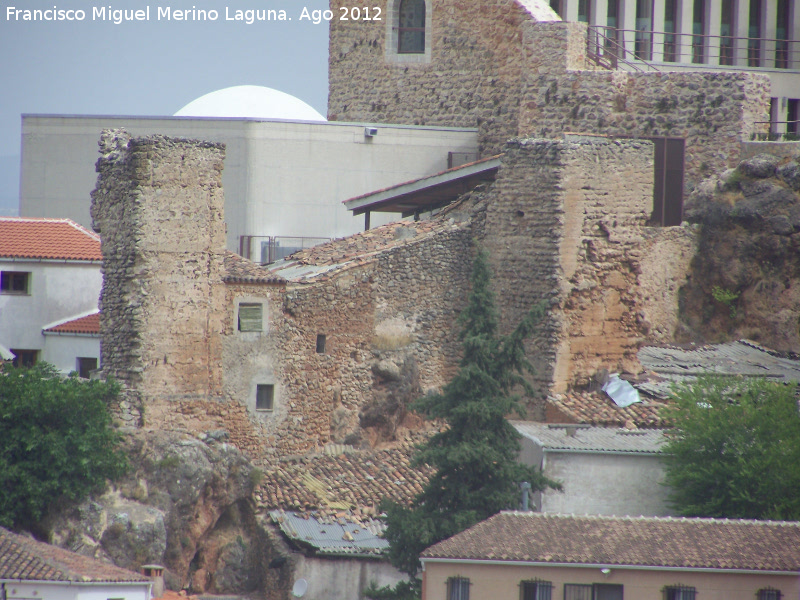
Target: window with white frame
x=408, y=33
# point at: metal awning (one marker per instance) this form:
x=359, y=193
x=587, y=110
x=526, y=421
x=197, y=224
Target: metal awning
x=426, y=193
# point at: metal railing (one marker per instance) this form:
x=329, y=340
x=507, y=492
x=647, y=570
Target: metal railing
x=603, y=47
x=700, y=49
x=269, y=248
x=779, y=131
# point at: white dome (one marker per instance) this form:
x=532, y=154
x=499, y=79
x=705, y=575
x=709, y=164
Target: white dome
x=250, y=101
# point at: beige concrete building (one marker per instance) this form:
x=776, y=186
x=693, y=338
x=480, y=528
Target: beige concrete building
x=534, y=556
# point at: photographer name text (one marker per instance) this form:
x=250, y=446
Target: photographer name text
x=117, y=16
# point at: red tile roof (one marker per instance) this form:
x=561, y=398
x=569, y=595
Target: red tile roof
x=90, y=324
x=28, y=560
x=53, y=239
x=638, y=541
x=596, y=408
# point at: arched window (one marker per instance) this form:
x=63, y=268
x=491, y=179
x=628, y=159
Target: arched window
x=411, y=27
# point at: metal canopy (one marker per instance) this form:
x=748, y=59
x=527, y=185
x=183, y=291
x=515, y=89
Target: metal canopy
x=426, y=193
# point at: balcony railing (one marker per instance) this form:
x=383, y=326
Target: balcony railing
x=636, y=46
x=779, y=131
x=269, y=248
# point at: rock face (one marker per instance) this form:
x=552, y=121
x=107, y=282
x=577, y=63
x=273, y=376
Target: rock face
x=185, y=505
x=744, y=280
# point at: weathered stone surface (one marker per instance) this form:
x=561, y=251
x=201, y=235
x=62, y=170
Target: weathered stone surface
x=790, y=174
x=760, y=166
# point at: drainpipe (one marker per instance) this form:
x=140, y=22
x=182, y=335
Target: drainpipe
x=526, y=490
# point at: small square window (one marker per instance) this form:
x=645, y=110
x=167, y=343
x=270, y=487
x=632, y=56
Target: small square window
x=320, y=344
x=85, y=366
x=250, y=317
x=769, y=594
x=679, y=592
x=265, y=394
x=14, y=282
x=536, y=590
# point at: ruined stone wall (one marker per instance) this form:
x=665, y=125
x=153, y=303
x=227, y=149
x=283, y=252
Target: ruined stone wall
x=471, y=78
x=713, y=112
x=566, y=225
x=389, y=334
x=159, y=208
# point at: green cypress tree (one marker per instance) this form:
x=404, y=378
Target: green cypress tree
x=475, y=457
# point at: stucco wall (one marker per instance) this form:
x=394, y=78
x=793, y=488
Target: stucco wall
x=73, y=591
x=342, y=578
x=499, y=581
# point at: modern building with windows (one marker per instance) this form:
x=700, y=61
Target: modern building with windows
x=535, y=556
x=750, y=35
x=50, y=283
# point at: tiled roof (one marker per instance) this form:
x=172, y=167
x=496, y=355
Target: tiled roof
x=596, y=408
x=640, y=541
x=357, y=249
x=572, y=438
x=26, y=559
x=89, y=324
x=242, y=270
x=49, y=239
x=355, y=479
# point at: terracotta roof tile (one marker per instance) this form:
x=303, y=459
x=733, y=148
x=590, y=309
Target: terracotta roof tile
x=640, y=541
x=355, y=479
x=90, y=324
x=26, y=559
x=241, y=270
x=53, y=239
x=596, y=408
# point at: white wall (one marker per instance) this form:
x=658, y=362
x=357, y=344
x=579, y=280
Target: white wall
x=343, y=578
x=606, y=484
x=63, y=350
x=281, y=178
x=76, y=591
x=57, y=290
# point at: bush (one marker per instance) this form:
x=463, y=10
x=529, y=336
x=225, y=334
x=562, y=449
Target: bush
x=56, y=442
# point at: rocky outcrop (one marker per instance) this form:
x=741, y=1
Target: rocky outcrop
x=185, y=504
x=745, y=279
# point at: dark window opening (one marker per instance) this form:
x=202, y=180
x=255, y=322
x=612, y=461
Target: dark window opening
x=265, y=394
x=668, y=181
x=536, y=590
x=606, y=591
x=85, y=366
x=14, y=282
x=584, y=11
x=556, y=6
x=782, y=33
x=698, y=31
x=24, y=358
x=411, y=27
x=670, y=21
x=754, y=33
x=458, y=588
x=321, y=344
x=250, y=317
x=726, y=30
x=768, y=594
x=679, y=592
x=793, y=117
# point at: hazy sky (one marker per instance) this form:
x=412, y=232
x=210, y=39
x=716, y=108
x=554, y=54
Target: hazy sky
x=147, y=67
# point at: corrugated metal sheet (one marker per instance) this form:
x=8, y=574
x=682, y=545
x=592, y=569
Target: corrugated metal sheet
x=572, y=438
x=332, y=535
x=743, y=357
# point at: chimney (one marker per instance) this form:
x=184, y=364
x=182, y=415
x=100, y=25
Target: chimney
x=156, y=574
x=526, y=490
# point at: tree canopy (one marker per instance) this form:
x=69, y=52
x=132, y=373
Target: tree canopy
x=56, y=441
x=735, y=450
x=475, y=456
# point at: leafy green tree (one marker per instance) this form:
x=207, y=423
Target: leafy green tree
x=56, y=441
x=735, y=450
x=475, y=457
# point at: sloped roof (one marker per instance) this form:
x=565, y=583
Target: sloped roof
x=242, y=270
x=331, y=534
x=88, y=324
x=336, y=482
x=591, y=439
x=640, y=541
x=22, y=558
x=596, y=408
x=358, y=249
x=47, y=239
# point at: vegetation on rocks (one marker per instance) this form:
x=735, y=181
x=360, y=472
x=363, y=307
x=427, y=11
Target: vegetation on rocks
x=56, y=442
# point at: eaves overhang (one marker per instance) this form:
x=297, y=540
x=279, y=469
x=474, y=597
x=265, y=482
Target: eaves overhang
x=426, y=193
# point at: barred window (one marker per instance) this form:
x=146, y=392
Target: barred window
x=679, y=592
x=769, y=594
x=536, y=590
x=458, y=588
